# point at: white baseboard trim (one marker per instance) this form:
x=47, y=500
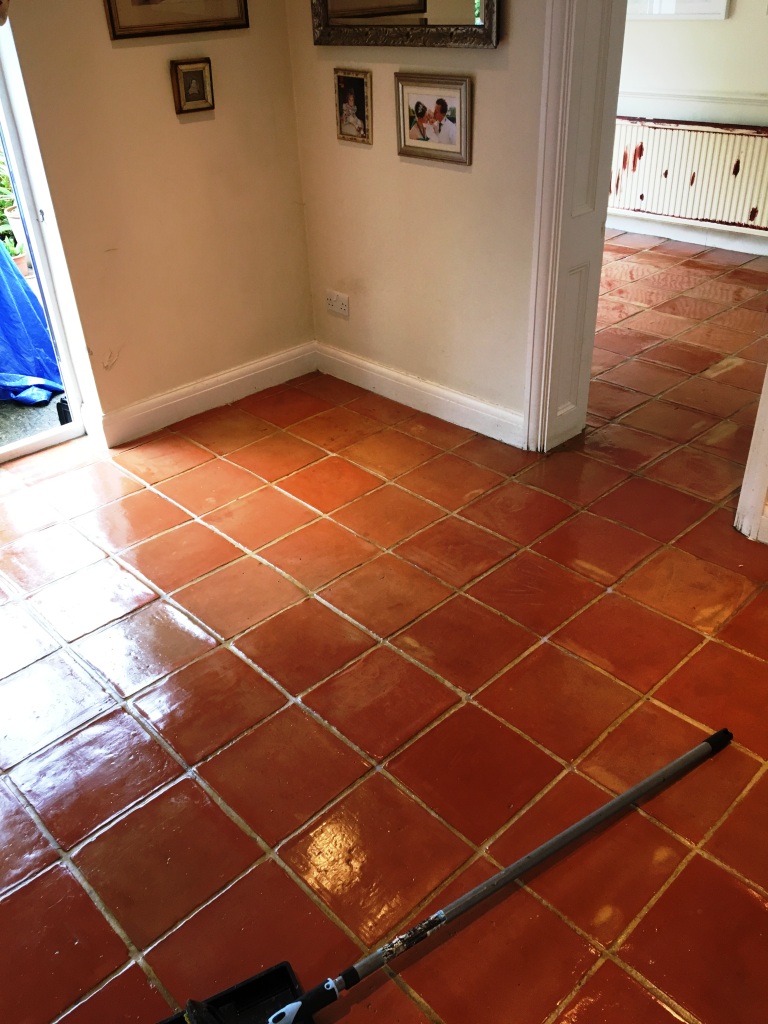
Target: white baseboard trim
x=426, y=396
x=142, y=418
x=740, y=239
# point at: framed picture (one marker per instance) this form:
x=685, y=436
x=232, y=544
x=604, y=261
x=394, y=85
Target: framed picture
x=130, y=18
x=693, y=10
x=192, y=85
x=353, y=105
x=370, y=9
x=433, y=113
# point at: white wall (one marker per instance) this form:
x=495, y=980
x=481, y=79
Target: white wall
x=184, y=235
x=436, y=258
x=699, y=70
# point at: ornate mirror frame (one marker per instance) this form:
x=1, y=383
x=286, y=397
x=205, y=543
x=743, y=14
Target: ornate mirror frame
x=482, y=36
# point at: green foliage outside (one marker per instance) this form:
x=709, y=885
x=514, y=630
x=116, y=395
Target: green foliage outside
x=7, y=199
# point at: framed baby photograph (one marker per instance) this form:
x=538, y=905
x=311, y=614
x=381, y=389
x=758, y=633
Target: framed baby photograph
x=130, y=18
x=353, y=105
x=433, y=116
x=192, y=84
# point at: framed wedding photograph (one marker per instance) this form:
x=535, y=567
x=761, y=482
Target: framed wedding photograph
x=131, y=18
x=433, y=116
x=353, y=105
x=192, y=84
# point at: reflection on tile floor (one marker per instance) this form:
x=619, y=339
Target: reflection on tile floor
x=279, y=679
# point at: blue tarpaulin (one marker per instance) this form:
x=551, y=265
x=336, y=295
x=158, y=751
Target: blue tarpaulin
x=29, y=372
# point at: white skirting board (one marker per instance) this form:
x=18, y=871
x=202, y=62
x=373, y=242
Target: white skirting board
x=711, y=235
x=211, y=392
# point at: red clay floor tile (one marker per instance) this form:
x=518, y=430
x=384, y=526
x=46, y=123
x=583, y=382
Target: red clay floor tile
x=517, y=512
x=84, y=780
x=682, y=355
x=181, y=555
x=436, y=431
x=646, y=377
x=83, y=490
x=332, y=389
x=259, y=518
x=624, y=341
x=633, y=643
x=335, y=429
x=387, y=515
x=572, y=476
x=464, y=642
x=748, y=629
x=328, y=484
x=608, y=400
x=25, y=851
x=673, y=422
x=376, y=407
x=238, y=596
x=210, y=486
x=381, y=700
x=455, y=551
x=366, y=881
x=223, y=430
x=22, y=639
x=164, y=457
x=316, y=554
x=595, y=547
x=327, y=642
x=39, y=558
x=651, y=508
x=129, y=993
x=474, y=771
x=717, y=539
x=154, y=866
x=283, y=407
x=623, y=446
x=742, y=840
x=276, y=456
x=202, y=707
x=728, y=439
x=611, y=994
x=450, y=481
x=708, y=396
x=130, y=520
x=390, y=452
x=501, y=458
x=556, y=699
x=21, y=512
x=308, y=767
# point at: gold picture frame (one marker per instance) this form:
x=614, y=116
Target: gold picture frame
x=353, y=105
x=192, y=83
x=129, y=19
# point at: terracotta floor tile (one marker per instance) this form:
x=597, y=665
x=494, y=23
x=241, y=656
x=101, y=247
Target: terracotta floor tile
x=727, y=439
x=748, y=629
x=143, y=647
x=673, y=422
x=380, y=701
x=387, y=515
x=644, y=293
x=624, y=341
x=661, y=324
x=474, y=771
x=742, y=840
x=759, y=303
x=385, y=594
x=595, y=547
x=608, y=401
x=263, y=912
x=647, y=740
x=689, y=589
x=603, y=360
x=634, y=644
x=318, y=553
x=91, y=598
x=335, y=429
x=329, y=484
x=209, y=703
x=223, y=430
x=22, y=639
x=722, y=258
x=39, y=558
x=613, y=995
x=238, y=596
x=276, y=456
x=163, y=457
x=154, y=866
x=753, y=322
x=645, y=377
x=390, y=452
x=25, y=851
x=693, y=309
x=308, y=767
x=519, y=513
x=464, y=642
x=572, y=476
x=331, y=389
x=557, y=700
x=44, y=701
x=549, y=960
x=690, y=963
x=622, y=272
x=83, y=490
x=377, y=407
x=717, y=540
x=738, y=372
x=496, y=455
x=128, y=993
x=682, y=355
x=174, y=558
x=284, y=407
x=535, y=591
x=210, y=486
x=326, y=642
x=450, y=481
x=130, y=520
x=723, y=291
x=84, y=780
x=53, y=921
x=652, y=508
x=613, y=311
x=259, y=518
x=624, y=447
x=436, y=431
x=21, y=512
x=455, y=551
x=352, y=857
x=61, y=458
x=703, y=688
x=699, y=472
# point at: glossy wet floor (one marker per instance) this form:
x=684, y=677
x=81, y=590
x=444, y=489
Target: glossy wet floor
x=285, y=675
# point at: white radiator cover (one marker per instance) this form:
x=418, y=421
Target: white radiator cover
x=717, y=174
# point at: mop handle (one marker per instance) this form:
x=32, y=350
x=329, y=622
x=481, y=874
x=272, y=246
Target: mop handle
x=329, y=991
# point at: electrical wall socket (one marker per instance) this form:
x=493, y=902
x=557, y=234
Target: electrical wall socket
x=337, y=302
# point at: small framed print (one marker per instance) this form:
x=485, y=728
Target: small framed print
x=433, y=115
x=353, y=105
x=131, y=18
x=192, y=85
